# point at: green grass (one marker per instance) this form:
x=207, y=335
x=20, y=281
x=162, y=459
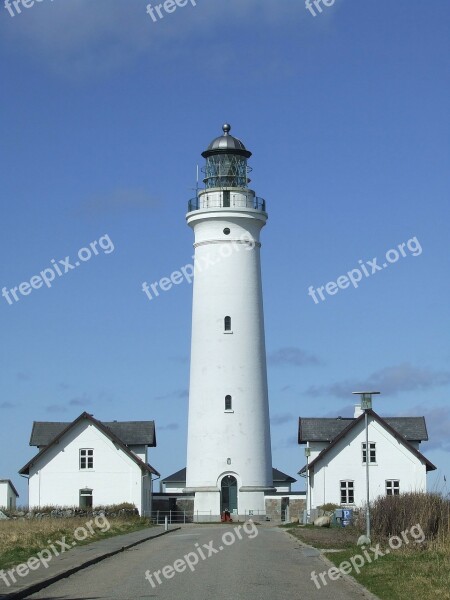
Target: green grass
x=409, y=573
x=403, y=574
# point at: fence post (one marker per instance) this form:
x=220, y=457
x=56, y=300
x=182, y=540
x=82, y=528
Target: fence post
x=157, y=517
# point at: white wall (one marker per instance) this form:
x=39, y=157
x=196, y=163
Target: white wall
x=228, y=363
x=7, y=496
x=173, y=488
x=56, y=479
x=344, y=462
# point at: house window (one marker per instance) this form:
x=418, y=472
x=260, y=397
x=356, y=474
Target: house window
x=347, y=492
x=227, y=324
x=86, y=498
x=372, y=453
x=86, y=458
x=228, y=403
x=392, y=487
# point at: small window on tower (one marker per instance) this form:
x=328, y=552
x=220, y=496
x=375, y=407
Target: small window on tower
x=227, y=324
x=226, y=198
x=228, y=403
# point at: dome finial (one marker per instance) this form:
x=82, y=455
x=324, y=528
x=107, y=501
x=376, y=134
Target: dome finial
x=226, y=128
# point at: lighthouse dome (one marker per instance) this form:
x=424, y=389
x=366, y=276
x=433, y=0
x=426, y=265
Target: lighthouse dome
x=226, y=144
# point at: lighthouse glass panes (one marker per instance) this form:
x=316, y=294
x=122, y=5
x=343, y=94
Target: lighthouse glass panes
x=225, y=170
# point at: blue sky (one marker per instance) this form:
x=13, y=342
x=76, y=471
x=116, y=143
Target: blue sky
x=104, y=114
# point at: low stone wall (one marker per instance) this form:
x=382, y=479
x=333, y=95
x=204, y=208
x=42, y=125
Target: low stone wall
x=277, y=509
x=65, y=513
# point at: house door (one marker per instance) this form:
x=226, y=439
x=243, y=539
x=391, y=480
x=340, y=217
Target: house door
x=229, y=494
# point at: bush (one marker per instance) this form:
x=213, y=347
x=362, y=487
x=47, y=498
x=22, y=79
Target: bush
x=390, y=515
x=329, y=507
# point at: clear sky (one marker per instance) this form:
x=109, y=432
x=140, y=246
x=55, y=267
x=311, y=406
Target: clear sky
x=104, y=114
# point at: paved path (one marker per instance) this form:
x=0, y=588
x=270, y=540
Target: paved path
x=266, y=564
x=74, y=560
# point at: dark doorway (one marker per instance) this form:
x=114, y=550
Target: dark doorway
x=229, y=494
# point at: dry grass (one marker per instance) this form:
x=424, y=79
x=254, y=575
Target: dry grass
x=20, y=539
x=413, y=572
x=390, y=515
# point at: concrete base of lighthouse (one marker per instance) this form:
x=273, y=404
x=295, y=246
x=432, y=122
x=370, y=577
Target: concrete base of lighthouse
x=251, y=504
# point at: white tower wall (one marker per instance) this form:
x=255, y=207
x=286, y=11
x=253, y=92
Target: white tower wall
x=227, y=282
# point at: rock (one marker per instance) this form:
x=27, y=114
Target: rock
x=322, y=522
x=294, y=520
x=3, y=517
x=363, y=540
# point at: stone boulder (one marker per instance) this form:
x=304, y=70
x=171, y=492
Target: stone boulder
x=322, y=522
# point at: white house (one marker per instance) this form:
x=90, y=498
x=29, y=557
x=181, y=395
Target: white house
x=8, y=494
x=336, y=465
x=89, y=463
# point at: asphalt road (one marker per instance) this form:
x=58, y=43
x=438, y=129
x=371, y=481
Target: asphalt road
x=266, y=564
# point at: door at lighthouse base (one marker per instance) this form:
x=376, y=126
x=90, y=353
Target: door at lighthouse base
x=229, y=494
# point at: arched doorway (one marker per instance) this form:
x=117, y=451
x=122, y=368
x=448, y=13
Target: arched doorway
x=228, y=496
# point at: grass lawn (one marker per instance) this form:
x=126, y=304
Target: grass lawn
x=19, y=540
x=409, y=573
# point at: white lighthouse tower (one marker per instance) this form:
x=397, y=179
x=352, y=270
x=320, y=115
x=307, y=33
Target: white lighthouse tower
x=229, y=459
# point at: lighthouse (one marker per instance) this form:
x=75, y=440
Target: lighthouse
x=229, y=458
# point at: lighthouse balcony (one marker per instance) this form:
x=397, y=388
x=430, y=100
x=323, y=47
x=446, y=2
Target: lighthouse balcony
x=223, y=198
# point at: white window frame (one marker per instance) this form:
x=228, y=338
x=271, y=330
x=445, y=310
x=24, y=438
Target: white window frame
x=372, y=452
x=86, y=455
x=392, y=487
x=347, y=486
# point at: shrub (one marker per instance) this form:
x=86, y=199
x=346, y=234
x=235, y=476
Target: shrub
x=390, y=515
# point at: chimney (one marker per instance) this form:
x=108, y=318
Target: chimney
x=358, y=411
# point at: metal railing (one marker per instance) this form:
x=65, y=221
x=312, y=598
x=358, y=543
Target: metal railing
x=173, y=516
x=239, y=200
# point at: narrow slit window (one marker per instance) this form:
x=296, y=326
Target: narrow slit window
x=228, y=403
x=227, y=323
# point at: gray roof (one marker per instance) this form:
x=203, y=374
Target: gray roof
x=413, y=429
x=107, y=431
x=131, y=433
x=226, y=144
x=351, y=424
x=180, y=477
